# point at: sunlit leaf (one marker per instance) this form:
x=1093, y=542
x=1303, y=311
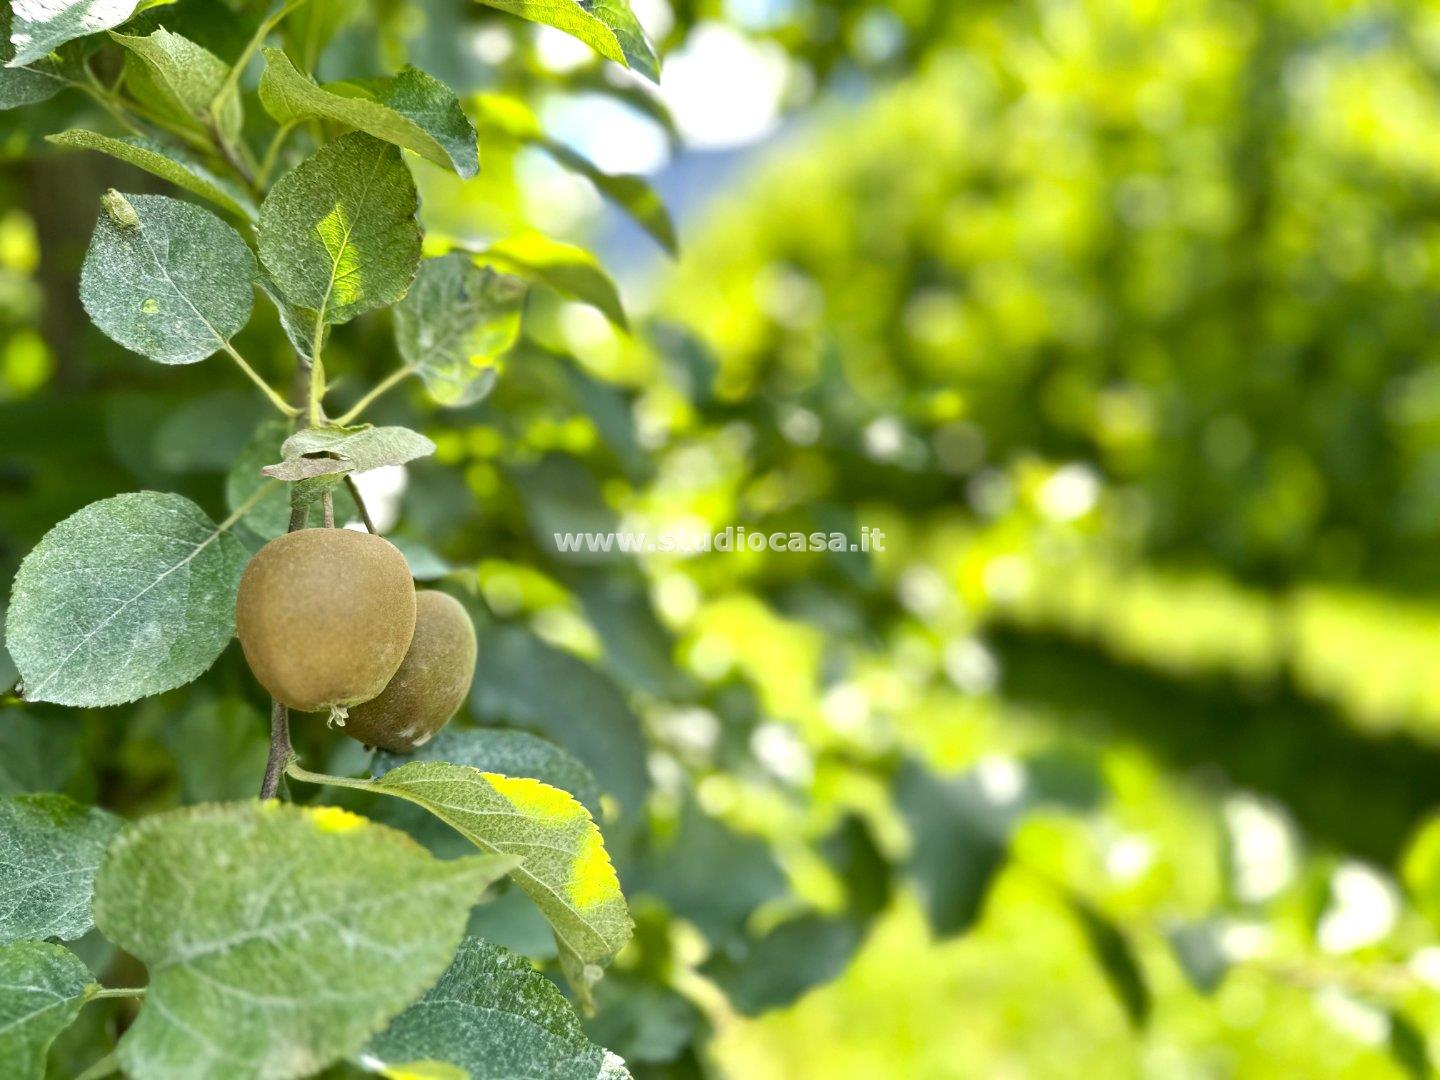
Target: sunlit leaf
x=50, y=848
x=569, y=270
x=632, y=194
x=495, y=1017
x=313, y=930
x=338, y=234
x=607, y=26
x=412, y=110
x=131, y=596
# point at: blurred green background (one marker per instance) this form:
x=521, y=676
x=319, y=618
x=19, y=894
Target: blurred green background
x=1118, y=317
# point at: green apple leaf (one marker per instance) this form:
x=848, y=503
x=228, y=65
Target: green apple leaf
x=566, y=870
x=455, y=322
x=42, y=987
x=279, y=939
x=413, y=110
x=338, y=234
x=607, y=26
x=354, y=449
x=495, y=1017
x=130, y=596
x=166, y=162
x=50, y=847
x=166, y=279
x=269, y=516
x=510, y=753
x=569, y=270
x=298, y=323
x=180, y=79
x=40, y=26
x=25, y=85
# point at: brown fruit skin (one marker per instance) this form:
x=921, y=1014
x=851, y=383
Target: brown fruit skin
x=325, y=617
x=431, y=684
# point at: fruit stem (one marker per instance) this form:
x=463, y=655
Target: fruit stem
x=360, y=504
x=327, y=509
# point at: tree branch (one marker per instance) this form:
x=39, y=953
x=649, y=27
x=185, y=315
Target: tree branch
x=281, y=749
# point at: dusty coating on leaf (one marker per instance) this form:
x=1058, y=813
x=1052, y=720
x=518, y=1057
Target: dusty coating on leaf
x=50, y=848
x=455, y=322
x=491, y=1015
x=275, y=945
x=42, y=987
x=166, y=278
x=131, y=596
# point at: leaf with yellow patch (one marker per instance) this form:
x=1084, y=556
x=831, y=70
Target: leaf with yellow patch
x=338, y=234
x=565, y=870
